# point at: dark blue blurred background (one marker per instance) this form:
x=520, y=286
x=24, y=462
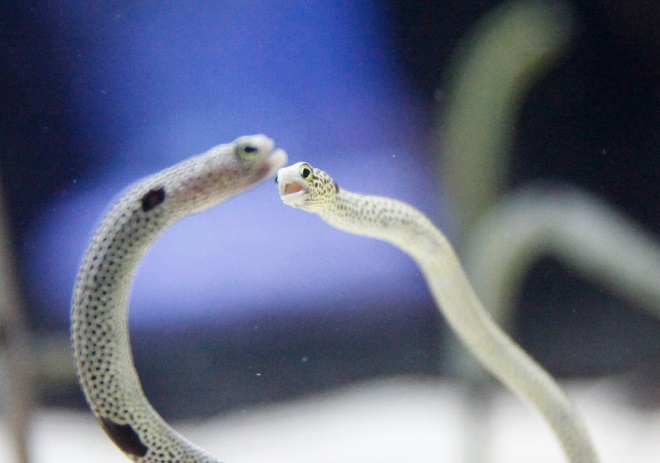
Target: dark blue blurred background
x=95, y=96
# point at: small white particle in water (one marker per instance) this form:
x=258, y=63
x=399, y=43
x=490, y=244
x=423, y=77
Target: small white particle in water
x=304, y=359
x=258, y=374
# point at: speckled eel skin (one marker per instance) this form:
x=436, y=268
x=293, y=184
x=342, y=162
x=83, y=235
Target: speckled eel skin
x=305, y=187
x=99, y=327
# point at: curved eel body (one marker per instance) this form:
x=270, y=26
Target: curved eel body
x=304, y=187
x=99, y=327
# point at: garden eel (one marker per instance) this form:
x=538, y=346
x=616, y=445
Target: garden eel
x=304, y=187
x=99, y=326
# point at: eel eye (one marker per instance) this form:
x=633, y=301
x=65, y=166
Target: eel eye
x=306, y=172
x=246, y=151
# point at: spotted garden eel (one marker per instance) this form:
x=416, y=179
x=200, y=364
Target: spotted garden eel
x=99, y=326
x=304, y=187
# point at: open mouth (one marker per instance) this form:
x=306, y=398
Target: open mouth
x=292, y=191
x=291, y=187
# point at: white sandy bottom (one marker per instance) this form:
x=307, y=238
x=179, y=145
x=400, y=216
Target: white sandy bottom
x=386, y=421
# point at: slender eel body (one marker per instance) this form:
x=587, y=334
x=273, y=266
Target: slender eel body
x=400, y=224
x=99, y=327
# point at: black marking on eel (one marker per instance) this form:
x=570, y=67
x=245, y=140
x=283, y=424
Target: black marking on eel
x=125, y=437
x=153, y=198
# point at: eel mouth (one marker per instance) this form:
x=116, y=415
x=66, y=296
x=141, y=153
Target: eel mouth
x=291, y=187
x=292, y=191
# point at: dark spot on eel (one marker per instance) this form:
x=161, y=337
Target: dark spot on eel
x=125, y=437
x=336, y=187
x=153, y=198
